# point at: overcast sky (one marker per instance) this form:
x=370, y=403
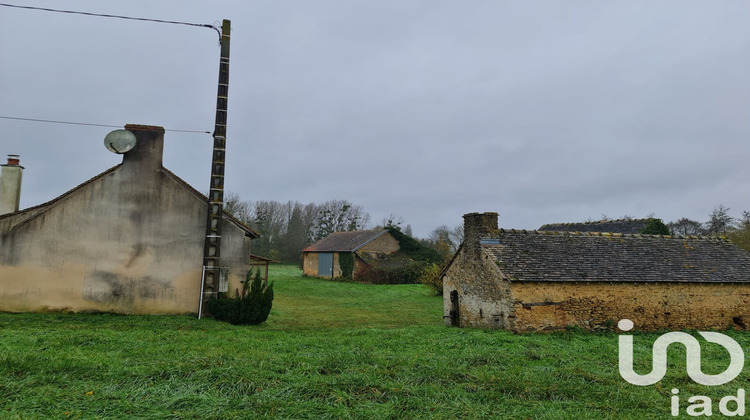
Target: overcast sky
x=543, y=111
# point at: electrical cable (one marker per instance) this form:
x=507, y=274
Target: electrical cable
x=107, y=16
x=174, y=22
x=89, y=124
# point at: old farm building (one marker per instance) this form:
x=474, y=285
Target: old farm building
x=550, y=279
x=323, y=258
x=129, y=240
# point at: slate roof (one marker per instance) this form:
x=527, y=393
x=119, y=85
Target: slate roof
x=22, y=216
x=617, y=226
x=612, y=257
x=345, y=241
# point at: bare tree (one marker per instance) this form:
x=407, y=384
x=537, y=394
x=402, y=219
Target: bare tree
x=286, y=228
x=744, y=221
x=453, y=237
x=686, y=226
x=337, y=216
x=392, y=221
x=720, y=221
x=242, y=210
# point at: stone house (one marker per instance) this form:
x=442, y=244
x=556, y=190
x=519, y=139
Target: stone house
x=129, y=240
x=322, y=259
x=551, y=279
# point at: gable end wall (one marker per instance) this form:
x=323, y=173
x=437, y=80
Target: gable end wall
x=385, y=244
x=484, y=297
x=126, y=242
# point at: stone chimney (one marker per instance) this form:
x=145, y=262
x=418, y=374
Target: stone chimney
x=476, y=227
x=148, y=151
x=10, y=185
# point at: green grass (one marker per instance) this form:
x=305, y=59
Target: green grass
x=329, y=350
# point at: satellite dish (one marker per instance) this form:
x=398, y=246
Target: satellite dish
x=120, y=141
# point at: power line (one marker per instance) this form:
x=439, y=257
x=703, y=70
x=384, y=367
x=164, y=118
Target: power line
x=73, y=12
x=89, y=124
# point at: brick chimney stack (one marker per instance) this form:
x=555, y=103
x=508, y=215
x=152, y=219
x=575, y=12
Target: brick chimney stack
x=10, y=185
x=476, y=227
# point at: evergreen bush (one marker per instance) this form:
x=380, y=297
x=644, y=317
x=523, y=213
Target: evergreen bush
x=346, y=262
x=655, y=227
x=250, y=307
x=415, y=250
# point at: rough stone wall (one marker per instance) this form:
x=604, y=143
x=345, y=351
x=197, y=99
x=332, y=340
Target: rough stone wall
x=336, y=266
x=384, y=244
x=130, y=241
x=310, y=264
x=651, y=306
x=483, y=296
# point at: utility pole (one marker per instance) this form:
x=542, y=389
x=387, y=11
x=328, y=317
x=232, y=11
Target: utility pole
x=212, y=246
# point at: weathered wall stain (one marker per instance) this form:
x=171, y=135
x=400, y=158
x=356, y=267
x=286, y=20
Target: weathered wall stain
x=129, y=240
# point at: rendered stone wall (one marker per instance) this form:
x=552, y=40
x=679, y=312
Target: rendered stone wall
x=129, y=241
x=10, y=187
x=651, y=306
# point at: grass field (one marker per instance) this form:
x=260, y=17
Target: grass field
x=328, y=350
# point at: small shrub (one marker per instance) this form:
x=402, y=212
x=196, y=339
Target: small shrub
x=655, y=227
x=431, y=277
x=407, y=274
x=250, y=307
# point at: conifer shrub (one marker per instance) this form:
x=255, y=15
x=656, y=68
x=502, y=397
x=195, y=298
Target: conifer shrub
x=249, y=307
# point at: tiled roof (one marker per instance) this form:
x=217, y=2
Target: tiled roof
x=263, y=259
x=612, y=257
x=617, y=226
x=345, y=241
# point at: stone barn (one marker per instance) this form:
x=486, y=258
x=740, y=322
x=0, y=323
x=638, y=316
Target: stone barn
x=323, y=258
x=129, y=240
x=551, y=279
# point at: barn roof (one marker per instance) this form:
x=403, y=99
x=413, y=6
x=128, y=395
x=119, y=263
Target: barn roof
x=612, y=257
x=345, y=241
x=619, y=226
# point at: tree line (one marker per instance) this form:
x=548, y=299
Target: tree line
x=287, y=228
x=720, y=222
